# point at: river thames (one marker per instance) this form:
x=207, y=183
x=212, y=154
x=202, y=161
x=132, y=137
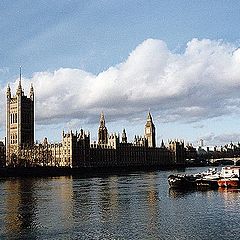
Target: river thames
x=127, y=206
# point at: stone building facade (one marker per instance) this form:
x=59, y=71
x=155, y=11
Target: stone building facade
x=71, y=152
x=120, y=153
x=19, y=123
x=75, y=149
x=178, y=150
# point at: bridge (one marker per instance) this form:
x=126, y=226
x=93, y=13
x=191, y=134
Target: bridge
x=230, y=161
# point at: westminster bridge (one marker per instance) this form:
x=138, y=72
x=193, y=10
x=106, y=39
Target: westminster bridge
x=230, y=161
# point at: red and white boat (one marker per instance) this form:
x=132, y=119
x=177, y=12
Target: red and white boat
x=230, y=177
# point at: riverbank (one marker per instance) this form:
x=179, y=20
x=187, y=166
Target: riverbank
x=84, y=171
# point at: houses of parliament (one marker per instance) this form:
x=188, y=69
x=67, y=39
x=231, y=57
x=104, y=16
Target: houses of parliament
x=76, y=150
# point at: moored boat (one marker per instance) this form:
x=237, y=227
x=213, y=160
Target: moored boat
x=207, y=183
x=182, y=181
x=209, y=179
x=228, y=182
x=230, y=177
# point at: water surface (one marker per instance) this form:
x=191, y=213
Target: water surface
x=128, y=206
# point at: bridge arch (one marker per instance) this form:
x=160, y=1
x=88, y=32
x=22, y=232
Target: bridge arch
x=224, y=162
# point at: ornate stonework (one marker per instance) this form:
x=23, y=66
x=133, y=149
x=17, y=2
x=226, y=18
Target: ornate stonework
x=19, y=123
x=150, y=131
x=102, y=131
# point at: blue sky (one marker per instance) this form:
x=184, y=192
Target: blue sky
x=96, y=36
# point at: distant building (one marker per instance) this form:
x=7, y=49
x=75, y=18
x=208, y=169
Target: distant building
x=19, y=123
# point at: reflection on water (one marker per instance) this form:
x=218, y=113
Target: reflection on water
x=177, y=193
x=152, y=200
x=230, y=198
x=20, y=206
x=27, y=205
x=131, y=206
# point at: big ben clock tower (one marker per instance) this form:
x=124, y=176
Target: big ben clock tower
x=150, y=131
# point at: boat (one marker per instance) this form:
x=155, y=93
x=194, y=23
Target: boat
x=232, y=182
x=230, y=177
x=182, y=181
x=209, y=179
x=207, y=183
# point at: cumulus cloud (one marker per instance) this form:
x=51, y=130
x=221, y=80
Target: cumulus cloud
x=202, y=82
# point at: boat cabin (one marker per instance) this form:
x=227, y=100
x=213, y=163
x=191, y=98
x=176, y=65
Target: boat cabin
x=230, y=171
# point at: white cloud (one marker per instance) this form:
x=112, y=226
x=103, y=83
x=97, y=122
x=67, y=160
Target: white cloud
x=203, y=82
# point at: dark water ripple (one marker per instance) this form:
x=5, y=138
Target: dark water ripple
x=130, y=206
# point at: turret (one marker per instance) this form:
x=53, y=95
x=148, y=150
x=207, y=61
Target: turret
x=19, y=89
x=8, y=92
x=124, y=136
x=162, y=144
x=31, y=92
x=102, y=131
x=102, y=120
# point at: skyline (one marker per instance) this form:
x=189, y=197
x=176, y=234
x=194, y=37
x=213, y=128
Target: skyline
x=190, y=79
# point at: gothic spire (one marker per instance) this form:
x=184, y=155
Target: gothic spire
x=102, y=120
x=124, y=136
x=20, y=78
x=8, y=88
x=19, y=89
x=102, y=131
x=8, y=91
x=149, y=117
x=162, y=144
x=31, y=91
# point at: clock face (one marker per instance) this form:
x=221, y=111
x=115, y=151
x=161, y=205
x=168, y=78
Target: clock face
x=148, y=130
